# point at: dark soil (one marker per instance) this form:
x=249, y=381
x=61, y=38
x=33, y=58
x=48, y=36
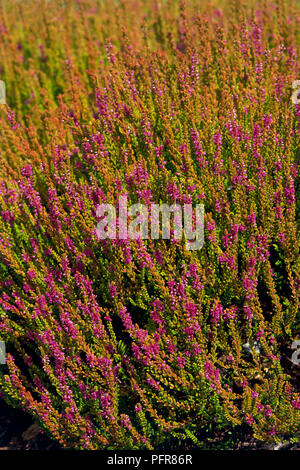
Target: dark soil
x=18, y=432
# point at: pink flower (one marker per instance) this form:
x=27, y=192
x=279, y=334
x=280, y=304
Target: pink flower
x=31, y=274
x=112, y=290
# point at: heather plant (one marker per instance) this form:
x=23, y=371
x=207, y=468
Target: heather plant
x=127, y=344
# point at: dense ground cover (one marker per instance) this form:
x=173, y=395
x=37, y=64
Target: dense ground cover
x=137, y=344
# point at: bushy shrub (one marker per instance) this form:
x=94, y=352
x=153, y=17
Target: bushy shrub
x=124, y=343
